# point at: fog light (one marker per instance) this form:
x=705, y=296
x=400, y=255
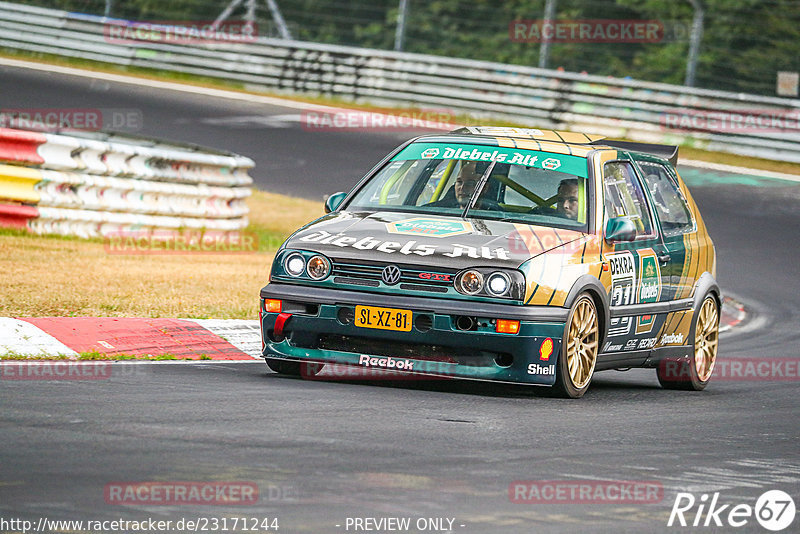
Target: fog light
x=294, y=264
x=470, y=282
x=506, y=326
x=318, y=267
x=498, y=284
x=273, y=305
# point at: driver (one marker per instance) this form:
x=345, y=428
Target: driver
x=466, y=181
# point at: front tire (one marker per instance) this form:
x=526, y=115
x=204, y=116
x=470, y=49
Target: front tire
x=695, y=372
x=579, y=349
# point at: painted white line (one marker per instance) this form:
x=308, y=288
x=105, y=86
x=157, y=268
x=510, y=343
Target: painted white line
x=739, y=170
x=20, y=337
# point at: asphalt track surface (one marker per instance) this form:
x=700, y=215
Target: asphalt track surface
x=322, y=452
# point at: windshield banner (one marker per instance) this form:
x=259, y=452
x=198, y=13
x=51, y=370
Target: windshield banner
x=573, y=165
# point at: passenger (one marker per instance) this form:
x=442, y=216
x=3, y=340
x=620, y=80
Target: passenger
x=567, y=200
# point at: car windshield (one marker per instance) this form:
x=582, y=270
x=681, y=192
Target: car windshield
x=479, y=181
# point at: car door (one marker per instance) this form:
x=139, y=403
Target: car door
x=637, y=267
x=677, y=226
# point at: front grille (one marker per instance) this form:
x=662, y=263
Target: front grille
x=356, y=281
x=369, y=274
x=415, y=351
x=420, y=287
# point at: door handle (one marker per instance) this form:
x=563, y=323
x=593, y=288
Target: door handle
x=664, y=257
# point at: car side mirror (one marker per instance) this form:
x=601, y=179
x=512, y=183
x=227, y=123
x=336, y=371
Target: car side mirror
x=620, y=229
x=334, y=201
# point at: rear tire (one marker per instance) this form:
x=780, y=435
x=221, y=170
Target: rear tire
x=579, y=348
x=292, y=368
x=694, y=373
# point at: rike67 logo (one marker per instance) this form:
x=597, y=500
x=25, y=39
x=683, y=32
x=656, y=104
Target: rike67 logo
x=774, y=510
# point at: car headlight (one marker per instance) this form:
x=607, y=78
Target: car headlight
x=294, y=264
x=470, y=282
x=318, y=267
x=498, y=284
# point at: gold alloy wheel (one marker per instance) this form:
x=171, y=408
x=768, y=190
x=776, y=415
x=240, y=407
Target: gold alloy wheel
x=582, y=342
x=706, y=340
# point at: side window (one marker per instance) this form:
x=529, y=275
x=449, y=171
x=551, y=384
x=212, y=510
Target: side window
x=624, y=196
x=673, y=212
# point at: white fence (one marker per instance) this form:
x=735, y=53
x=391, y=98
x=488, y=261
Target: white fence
x=640, y=111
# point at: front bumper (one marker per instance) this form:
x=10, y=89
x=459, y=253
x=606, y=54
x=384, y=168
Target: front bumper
x=319, y=328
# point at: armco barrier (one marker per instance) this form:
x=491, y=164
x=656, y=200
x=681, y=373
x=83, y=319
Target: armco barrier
x=16, y=216
x=543, y=98
x=98, y=184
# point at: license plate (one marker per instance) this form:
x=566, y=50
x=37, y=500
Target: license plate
x=383, y=318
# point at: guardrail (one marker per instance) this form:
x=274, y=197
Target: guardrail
x=636, y=110
x=98, y=184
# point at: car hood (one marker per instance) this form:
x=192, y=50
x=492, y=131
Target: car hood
x=428, y=240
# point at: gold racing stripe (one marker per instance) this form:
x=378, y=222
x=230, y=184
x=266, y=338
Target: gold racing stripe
x=506, y=142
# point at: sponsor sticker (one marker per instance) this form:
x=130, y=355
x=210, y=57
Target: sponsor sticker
x=536, y=369
x=546, y=349
x=551, y=164
x=408, y=247
x=386, y=363
x=429, y=227
x=623, y=281
x=649, y=287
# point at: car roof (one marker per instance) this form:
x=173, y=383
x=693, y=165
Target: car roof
x=562, y=142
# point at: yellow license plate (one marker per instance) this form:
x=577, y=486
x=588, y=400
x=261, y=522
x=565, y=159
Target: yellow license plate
x=383, y=318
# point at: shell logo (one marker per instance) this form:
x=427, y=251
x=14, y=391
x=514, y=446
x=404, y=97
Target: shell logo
x=546, y=349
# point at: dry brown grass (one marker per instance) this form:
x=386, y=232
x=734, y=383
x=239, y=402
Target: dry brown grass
x=54, y=276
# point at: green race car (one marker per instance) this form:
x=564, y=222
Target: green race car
x=509, y=255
